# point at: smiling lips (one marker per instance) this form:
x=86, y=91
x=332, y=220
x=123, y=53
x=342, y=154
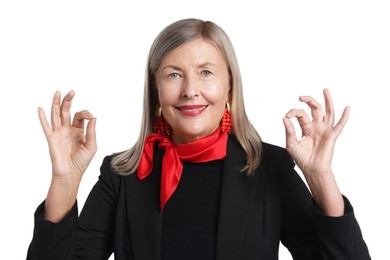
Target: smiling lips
x=192, y=110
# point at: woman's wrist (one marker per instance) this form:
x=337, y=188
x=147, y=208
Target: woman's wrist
x=60, y=198
x=326, y=194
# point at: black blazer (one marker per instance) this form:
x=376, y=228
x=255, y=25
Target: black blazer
x=121, y=215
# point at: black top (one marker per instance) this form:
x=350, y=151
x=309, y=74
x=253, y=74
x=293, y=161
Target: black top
x=189, y=223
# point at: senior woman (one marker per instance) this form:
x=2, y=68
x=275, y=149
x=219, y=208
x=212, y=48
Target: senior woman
x=199, y=183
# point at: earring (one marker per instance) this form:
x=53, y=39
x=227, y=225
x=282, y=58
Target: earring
x=226, y=122
x=160, y=126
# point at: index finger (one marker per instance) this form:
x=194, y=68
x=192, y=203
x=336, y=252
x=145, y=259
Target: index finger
x=315, y=107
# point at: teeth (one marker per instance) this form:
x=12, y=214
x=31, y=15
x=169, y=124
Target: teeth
x=194, y=109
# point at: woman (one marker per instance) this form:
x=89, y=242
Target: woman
x=199, y=183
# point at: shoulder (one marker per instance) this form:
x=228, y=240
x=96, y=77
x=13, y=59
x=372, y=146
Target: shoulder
x=106, y=168
x=107, y=174
x=106, y=164
x=270, y=154
x=271, y=151
x=275, y=158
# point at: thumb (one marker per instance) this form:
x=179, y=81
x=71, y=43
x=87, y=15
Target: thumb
x=291, y=137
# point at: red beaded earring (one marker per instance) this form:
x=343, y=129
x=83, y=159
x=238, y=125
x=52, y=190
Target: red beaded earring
x=160, y=126
x=226, y=122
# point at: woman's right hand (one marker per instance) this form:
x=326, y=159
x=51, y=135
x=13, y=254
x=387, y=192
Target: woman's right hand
x=71, y=147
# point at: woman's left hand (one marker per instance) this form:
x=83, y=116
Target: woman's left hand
x=313, y=152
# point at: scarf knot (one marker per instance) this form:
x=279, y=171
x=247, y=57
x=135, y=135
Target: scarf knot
x=209, y=148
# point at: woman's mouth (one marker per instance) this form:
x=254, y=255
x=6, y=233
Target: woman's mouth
x=192, y=110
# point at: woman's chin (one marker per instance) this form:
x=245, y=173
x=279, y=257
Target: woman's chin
x=190, y=135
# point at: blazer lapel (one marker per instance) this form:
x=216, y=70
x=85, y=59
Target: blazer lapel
x=144, y=216
x=237, y=195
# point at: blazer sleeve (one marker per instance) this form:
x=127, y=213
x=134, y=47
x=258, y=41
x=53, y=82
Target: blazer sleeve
x=340, y=236
x=88, y=236
x=309, y=234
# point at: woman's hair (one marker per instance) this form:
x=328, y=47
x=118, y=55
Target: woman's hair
x=173, y=36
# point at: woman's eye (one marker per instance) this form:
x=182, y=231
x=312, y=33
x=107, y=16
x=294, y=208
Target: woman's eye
x=173, y=75
x=206, y=73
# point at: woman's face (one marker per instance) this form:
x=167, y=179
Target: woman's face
x=193, y=88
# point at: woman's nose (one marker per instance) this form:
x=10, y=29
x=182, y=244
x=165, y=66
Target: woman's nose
x=190, y=88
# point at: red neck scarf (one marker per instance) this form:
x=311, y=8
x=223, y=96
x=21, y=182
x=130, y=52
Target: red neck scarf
x=209, y=148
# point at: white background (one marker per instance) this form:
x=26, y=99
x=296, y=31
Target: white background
x=285, y=49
